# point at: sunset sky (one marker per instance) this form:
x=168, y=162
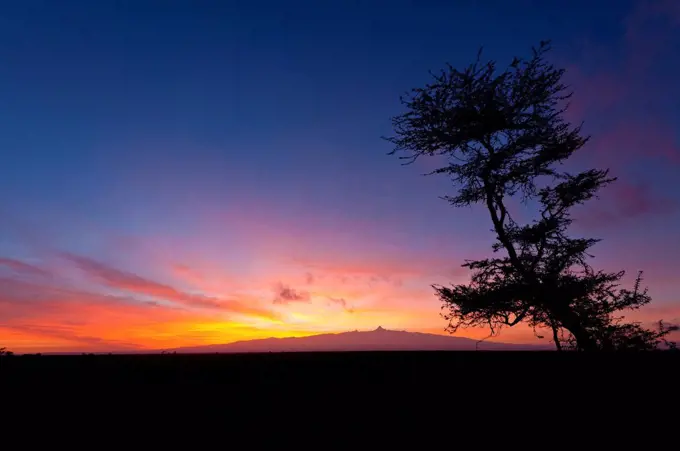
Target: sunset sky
x=195, y=172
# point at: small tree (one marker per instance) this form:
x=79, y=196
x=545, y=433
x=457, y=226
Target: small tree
x=505, y=136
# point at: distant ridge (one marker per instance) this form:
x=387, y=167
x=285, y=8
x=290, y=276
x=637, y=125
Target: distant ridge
x=379, y=339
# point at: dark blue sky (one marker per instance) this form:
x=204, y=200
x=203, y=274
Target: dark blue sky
x=189, y=124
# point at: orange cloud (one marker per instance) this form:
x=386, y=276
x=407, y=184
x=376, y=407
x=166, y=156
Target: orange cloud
x=41, y=318
x=69, y=336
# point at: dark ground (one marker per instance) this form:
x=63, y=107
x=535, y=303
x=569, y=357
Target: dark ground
x=431, y=395
x=357, y=369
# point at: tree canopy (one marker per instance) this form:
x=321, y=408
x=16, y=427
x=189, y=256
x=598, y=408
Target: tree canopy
x=504, y=135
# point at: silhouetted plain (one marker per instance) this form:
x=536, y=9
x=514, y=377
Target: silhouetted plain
x=403, y=372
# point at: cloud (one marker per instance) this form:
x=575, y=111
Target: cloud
x=624, y=201
x=629, y=140
x=130, y=282
x=329, y=245
x=23, y=268
x=38, y=317
x=285, y=295
x=625, y=93
x=387, y=267
x=69, y=335
x=188, y=273
x=342, y=302
x=594, y=93
x=628, y=102
x=19, y=299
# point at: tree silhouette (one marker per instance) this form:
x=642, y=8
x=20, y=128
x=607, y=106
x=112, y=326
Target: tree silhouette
x=504, y=135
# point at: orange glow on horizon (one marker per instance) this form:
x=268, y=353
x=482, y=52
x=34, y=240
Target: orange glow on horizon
x=80, y=304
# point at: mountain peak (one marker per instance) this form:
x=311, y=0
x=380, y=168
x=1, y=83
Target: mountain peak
x=379, y=339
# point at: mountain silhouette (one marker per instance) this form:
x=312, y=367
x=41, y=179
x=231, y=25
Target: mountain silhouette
x=376, y=340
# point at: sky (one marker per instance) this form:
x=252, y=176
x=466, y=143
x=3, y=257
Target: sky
x=178, y=173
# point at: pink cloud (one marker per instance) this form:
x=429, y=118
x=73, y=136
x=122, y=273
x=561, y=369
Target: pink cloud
x=285, y=294
x=625, y=102
x=187, y=273
x=20, y=299
x=24, y=268
x=328, y=248
x=207, y=277
x=629, y=141
x=322, y=261
x=130, y=282
x=624, y=201
x=391, y=269
x=593, y=93
x=340, y=301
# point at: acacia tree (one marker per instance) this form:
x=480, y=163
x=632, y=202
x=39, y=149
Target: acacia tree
x=505, y=136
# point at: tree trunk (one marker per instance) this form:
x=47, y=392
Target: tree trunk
x=556, y=337
x=584, y=342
